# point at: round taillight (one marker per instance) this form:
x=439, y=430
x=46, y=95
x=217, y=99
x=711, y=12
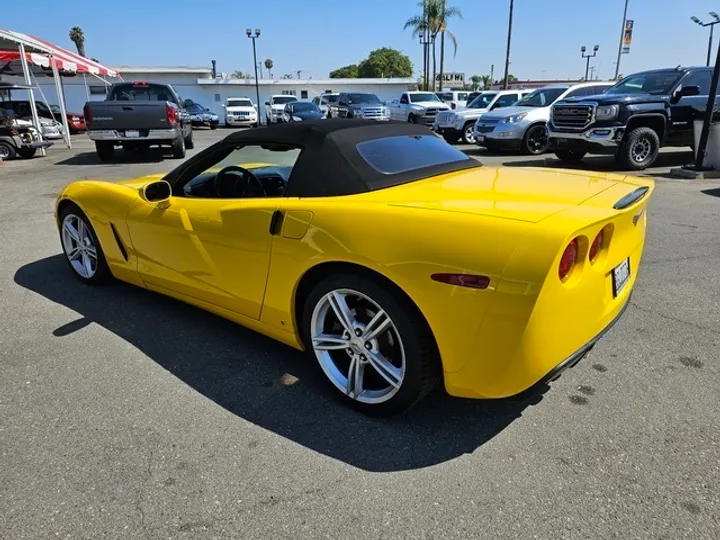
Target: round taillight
x=596, y=246
x=568, y=259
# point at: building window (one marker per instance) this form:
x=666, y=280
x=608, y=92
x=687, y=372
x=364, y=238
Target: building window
x=217, y=98
x=98, y=90
x=328, y=92
x=288, y=92
x=303, y=94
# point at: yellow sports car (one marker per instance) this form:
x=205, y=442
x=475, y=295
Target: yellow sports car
x=390, y=256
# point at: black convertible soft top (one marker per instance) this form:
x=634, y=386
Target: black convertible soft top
x=344, y=157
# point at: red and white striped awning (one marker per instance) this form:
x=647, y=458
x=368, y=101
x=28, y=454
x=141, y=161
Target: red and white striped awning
x=44, y=52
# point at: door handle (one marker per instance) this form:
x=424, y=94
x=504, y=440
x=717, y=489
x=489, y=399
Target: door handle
x=276, y=222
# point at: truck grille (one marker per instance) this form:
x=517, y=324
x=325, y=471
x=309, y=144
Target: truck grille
x=371, y=113
x=572, y=116
x=431, y=112
x=443, y=116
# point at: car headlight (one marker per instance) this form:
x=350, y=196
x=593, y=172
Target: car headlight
x=357, y=113
x=515, y=118
x=420, y=111
x=296, y=119
x=606, y=112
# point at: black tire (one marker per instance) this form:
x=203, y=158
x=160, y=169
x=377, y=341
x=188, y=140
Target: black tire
x=451, y=138
x=7, y=151
x=27, y=153
x=105, y=150
x=178, y=148
x=570, y=156
x=639, y=149
x=423, y=367
x=535, y=141
x=412, y=119
x=102, y=272
x=190, y=140
x=213, y=126
x=467, y=133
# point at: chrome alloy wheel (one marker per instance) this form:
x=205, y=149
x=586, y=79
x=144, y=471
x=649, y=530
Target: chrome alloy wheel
x=641, y=150
x=79, y=246
x=358, y=346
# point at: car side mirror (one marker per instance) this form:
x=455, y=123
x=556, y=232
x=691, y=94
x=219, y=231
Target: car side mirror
x=157, y=192
x=692, y=90
x=267, y=103
x=224, y=106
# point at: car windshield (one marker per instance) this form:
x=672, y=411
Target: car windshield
x=239, y=103
x=196, y=108
x=304, y=107
x=542, y=97
x=363, y=98
x=139, y=92
x=659, y=83
x=423, y=96
x=445, y=97
x=279, y=100
x=482, y=101
x=330, y=99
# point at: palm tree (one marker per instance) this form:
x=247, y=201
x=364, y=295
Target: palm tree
x=269, y=65
x=239, y=75
x=77, y=36
x=432, y=22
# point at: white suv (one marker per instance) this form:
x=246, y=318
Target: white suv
x=325, y=102
x=524, y=125
x=460, y=124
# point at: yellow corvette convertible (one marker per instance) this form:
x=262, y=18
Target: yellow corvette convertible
x=390, y=256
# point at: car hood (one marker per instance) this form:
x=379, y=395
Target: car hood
x=509, y=111
x=431, y=104
x=240, y=109
x=279, y=107
x=366, y=106
x=618, y=99
x=470, y=112
x=528, y=194
x=307, y=115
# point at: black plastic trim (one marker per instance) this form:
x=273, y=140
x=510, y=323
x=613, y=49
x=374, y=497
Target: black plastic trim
x=119, y=242
x=631, y=198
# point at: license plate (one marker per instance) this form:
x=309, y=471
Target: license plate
x=620, y=275
x=480, y=138
x=132, y=134
x=561, y=142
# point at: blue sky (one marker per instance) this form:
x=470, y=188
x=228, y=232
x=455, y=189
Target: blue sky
x=319, y=36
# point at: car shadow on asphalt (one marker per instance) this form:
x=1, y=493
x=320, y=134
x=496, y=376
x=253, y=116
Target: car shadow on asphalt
x=714, y=192
x=603, y=163
x=153, y=155
x=267, y=383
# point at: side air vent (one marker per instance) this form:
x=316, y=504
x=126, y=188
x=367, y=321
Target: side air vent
x=119, y=242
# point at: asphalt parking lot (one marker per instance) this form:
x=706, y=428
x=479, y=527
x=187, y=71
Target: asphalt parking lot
x=124, y=414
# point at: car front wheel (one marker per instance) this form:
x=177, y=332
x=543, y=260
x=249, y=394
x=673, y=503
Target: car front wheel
x=468, y=135
x=535, y=141
x=82, y=248
x=639, y=149
x=372, y=343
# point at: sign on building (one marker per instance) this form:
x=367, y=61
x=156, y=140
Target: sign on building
x=455, y=79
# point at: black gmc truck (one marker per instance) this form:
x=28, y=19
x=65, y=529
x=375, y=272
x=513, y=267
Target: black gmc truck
x=633, y=119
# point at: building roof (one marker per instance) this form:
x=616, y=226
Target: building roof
x=305, y=82
x=164, y=69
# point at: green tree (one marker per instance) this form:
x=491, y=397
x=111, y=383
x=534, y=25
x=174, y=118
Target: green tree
x=486, y=81
x=385, y=62
x=239, y=75
x=77, y=36
x=269, y=65
x=345, y=72
x=287, y=76
x=477, y=80
x=434, y=21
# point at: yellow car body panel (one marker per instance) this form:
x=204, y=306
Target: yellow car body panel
x=510, y=224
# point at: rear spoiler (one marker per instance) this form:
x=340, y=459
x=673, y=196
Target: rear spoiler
x=631, y=198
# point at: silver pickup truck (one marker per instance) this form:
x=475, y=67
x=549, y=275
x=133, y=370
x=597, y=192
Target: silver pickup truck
x=137, y=115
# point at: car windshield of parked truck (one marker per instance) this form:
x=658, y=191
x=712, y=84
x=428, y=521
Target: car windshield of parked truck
x=330, y=99
x=139, y=92
x=279, y=100
x=399, y=154
x=659, y=83
x=419, y=98
x=239, y=103
x=196, y=108
x=362, y=98
x=541, y=97
x=482, y=101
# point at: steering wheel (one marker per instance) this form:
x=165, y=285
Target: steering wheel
x=230, y=184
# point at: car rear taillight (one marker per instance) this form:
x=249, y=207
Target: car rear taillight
x=171, y=115
x=75, y=119
x=568, y=259
x=596, y=246
x=13, y=133
x=87, y=113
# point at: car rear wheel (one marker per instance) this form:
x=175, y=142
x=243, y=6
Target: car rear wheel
x=451, y=138
x=178, y=148
x=7, y=151
x=570, y=156
x=412, y=119
x=468, y=136
x=81, y=247
x=105, y=150
x=372, y=344
x=639, y=149
x=535, y=141
x=190, y=140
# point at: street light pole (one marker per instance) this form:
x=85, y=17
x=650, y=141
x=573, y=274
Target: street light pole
x=620, y=45
x=255, y=63
x=507, y=53
x=711, y=24
x=588, y=56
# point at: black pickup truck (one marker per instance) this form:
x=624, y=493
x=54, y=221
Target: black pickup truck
x=137, y=115
x=633, y=119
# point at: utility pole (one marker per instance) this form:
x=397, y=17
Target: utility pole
x=620, y=45
x=711, y=25
x=588, y=56
x=255, y=62
x=492, y=74
x=507, y=53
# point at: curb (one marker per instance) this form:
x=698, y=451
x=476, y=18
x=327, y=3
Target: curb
x=687, y=174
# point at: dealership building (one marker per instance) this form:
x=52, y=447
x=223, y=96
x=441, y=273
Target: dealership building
x=198, y=84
